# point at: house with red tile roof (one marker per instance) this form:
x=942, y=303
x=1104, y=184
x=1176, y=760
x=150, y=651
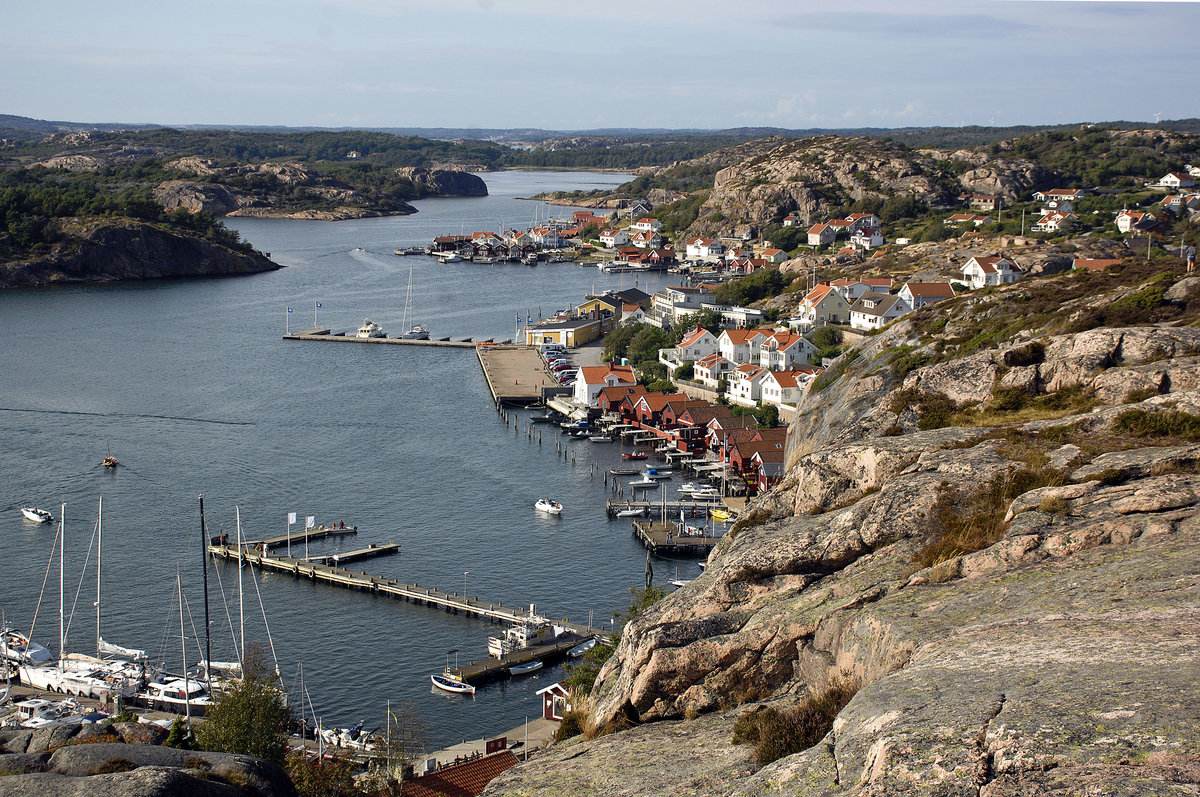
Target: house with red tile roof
x=1131, y=220
x=773, y=255
x=612, y=238
x=648, y=409
x=918, y=294
x=1173, y=180
x=821, y=234
x=594, y=378
x=705, y=249
x=787, y=387
x=610, y=399
x=466, y=779
x=722, y=429
x=781, y=350
x=1056, y=221
x=647, y=224
x=710, y=370
x=1096, y=263
x=823, y=305
x=981, y=272
x=863, y=221
x=646, y=239
x=967, y=218
x=745, y=384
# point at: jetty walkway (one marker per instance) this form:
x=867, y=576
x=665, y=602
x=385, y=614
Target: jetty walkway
x=327, y=335
x=516, y=375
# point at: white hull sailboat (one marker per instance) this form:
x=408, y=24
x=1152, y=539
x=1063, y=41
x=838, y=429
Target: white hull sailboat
x=416, y=331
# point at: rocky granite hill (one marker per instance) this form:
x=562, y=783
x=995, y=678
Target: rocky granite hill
x=990, y=528
x=105, y=250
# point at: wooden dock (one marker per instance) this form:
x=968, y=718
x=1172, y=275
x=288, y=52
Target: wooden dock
x=695, y=509
x=325, y=335
x=666, y=538
x=413, y=593
x=370, y=552
x=515, y=374
x=308, y=535
x=491, y=669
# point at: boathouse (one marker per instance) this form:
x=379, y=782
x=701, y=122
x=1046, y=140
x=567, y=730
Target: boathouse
x=556, y=701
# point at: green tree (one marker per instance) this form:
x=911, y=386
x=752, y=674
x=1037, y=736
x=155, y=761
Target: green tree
x=314, y=777
x=766, y=415
x=252, y=717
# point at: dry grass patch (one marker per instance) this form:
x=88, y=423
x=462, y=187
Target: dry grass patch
x=778, y=732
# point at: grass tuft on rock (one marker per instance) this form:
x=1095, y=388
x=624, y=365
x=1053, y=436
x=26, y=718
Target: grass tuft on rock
x=778, y=732
x=962, y=522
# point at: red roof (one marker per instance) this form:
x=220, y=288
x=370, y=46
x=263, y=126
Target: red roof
x=940, y=290
x=1096, y=263
x=468, y=779
x=694, y=336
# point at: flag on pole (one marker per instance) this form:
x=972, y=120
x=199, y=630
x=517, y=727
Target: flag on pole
x=289, y=309
x=318, y=304
x=310, y=521
x=291, y=518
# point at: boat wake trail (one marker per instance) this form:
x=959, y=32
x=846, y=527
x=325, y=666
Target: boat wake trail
x=136, y=415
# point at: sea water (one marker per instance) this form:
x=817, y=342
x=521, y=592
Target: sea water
x=189, y=384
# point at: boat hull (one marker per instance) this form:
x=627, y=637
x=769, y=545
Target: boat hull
x=452, y=685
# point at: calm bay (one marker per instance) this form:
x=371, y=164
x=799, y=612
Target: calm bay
x=190, y=386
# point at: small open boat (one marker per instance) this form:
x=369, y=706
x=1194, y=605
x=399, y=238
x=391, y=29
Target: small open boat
x=526, y=668
x=601, y=439
x=548, y=506
x=644, y=483
x=623, y=471
x=450, y=684
x=719, y=514
x=37, y=515
x=638, y=512
x=634, y=455
x=582, y=647
x=110, y=461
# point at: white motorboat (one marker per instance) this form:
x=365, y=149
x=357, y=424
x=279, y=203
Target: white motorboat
x=644, y=483
x=548, y=506
x=177, y=695
x=582, y=647
x=639, y=512
x=448, y=683
x=601, y=439
x=526, y=668
x=659, y=473
x=370, y=329
x=36, y=515
x=529, y=631
x=450, y=257
x=705, y=494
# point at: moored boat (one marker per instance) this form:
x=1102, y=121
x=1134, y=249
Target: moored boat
x=638, y=512
x=634, y=455
x=370, y=329
x=449, y=683
x=526, y=668
x=36, y=515
x=582, y=647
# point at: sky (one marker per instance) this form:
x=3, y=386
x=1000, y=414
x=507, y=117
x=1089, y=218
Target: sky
x=559, y=65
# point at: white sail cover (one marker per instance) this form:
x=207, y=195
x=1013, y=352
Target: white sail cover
x=116, y=650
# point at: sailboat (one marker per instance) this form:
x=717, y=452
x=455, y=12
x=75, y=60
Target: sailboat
x=104, y=648
x=416, y=331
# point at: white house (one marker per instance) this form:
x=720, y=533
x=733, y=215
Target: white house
x=863, y=221
x=918, y=294
x=1128, y=219
x=745, y=384
x=632, y=314
x=783, y=350
x=874, y=310
x=866, y=238
x=704, y=249
x=647, y=225
x=774, y=255
x=981, y=272
x=674, y=302
x=614, y=238
x=646, y=239
x=594, y=378
x=821, y=234
x=823, y=305
x=734, y=344
x=851, y=289
x=791, y=220
x=1174, y=180
x=786, y=387
x=696, y=345
x=1055, y=221
x=712, y=369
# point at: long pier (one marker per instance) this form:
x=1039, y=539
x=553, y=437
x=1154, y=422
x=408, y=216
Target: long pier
x=327, y=335
x=689, y=508
x=370, y=552
x=413, y=593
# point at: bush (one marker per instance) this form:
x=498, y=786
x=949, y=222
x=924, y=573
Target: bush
x=251, y=718
x=573, y=724
x=779, y=732
x=116, y=764
x=314, y=777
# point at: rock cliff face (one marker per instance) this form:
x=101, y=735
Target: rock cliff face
x=107, y=250
x=446, y=182
x=1056, y=656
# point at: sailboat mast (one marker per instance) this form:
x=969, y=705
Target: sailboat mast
x=241, y=608
x=62, y=533
x=204, y=560
x=99, y=560
x=187, y=699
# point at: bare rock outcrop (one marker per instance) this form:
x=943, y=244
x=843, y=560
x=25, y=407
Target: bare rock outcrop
x=211, y=198
x=446, y=182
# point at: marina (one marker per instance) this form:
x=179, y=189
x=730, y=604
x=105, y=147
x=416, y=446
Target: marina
x=223, y=406
x=671, y=538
